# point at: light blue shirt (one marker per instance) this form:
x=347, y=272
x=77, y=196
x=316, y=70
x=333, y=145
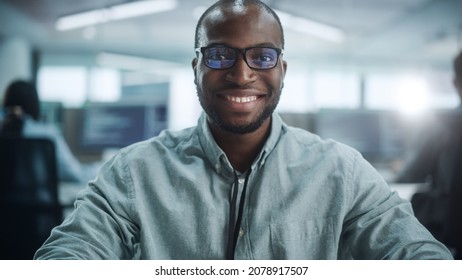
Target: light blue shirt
x=307, y=198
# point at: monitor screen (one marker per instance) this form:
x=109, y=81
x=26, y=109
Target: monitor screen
x=377, y=135
x=52, y=113
x=115, y=125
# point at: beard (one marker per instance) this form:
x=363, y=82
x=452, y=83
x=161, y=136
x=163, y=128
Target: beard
x=215, y=116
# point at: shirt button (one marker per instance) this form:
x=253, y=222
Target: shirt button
x=241, y=232
x=241, y=181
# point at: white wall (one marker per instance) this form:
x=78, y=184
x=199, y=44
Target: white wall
x=15, y=62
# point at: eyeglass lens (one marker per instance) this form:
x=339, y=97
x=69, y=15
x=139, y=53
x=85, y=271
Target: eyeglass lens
x=224, y=57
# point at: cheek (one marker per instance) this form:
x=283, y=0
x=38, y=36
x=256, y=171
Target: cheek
x=207, y=80
x=280, y=77
x=199, y=72
x=276, y=81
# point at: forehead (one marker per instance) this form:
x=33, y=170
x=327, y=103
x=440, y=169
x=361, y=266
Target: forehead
x=240, y=25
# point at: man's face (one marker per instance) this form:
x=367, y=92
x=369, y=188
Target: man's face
x=239, y=99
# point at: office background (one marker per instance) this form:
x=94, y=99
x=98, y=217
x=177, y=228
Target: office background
x=369, y=73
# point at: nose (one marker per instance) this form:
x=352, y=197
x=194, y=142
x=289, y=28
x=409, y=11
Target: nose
x=241, y=73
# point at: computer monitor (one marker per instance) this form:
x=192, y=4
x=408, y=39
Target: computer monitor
x=52, y=113
x=377, y=135
x=108, y=126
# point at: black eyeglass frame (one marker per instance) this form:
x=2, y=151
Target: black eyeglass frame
x=279, y=52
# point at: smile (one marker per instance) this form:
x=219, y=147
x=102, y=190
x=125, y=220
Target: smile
x=244, y=99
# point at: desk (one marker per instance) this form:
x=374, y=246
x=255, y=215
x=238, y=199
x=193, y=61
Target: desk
x=406, y=191
x=67, y=193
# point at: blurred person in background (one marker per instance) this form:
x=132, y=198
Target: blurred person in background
x=435, y=161
x=20, y=116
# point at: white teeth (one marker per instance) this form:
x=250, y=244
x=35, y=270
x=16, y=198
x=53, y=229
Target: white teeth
x=241, y=99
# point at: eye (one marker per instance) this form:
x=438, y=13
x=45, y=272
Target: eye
x=263, y=55
x=216, y=57
x=220, y=54
x=262, y=58
x=266, y=58
x=219, y=57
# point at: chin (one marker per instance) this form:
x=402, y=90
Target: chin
x=243, y=127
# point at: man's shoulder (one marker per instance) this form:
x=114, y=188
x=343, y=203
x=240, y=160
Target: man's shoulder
x=304, y=137
x=305, y=140
x=166, y=141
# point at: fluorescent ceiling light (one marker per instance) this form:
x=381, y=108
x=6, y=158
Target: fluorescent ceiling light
x=117, y=12
x=136, y=63
x=312, y=28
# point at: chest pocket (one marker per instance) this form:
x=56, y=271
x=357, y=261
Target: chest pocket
x=312, y=239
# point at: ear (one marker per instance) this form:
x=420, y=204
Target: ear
x=194, y=67
x=284, y=67
x=194, y=63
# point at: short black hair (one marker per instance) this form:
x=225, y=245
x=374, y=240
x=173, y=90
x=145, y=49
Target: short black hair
x=228, y=3
x=23, y=94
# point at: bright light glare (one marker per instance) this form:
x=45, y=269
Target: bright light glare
x=413, y=96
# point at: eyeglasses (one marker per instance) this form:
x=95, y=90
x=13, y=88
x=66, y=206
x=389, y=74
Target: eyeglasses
x=259, y=58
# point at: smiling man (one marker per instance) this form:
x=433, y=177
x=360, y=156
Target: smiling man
x=239, y=73
x=241, y=184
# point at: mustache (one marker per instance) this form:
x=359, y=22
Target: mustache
x=230, y=87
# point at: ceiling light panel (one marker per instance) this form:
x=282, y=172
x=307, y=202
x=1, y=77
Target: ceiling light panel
x=117, y=12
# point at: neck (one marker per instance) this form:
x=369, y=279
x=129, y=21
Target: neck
x=241, y=149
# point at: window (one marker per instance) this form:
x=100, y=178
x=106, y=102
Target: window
x=63, y=84
x=74, y=85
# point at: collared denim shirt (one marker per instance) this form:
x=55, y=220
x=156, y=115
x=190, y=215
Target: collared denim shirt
x=307, y=198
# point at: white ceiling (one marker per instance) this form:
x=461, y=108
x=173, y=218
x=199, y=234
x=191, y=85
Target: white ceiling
x=378, y=31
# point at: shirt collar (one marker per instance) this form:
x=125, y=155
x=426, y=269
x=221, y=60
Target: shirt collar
x=218, y=158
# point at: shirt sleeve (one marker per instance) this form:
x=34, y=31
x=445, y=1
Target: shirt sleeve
x=101, y=225
x=380, y=224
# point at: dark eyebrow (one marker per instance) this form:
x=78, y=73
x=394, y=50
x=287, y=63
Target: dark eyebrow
x=217, y=45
